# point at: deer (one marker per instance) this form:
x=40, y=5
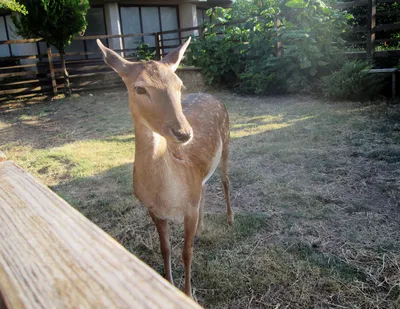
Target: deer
x=179, y=143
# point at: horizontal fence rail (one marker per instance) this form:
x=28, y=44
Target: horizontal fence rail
x=51, y=256
x=41, y=73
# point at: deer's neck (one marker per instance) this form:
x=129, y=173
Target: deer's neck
x=149, y=146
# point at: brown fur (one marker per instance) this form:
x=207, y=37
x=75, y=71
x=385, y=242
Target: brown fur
x=176, y=141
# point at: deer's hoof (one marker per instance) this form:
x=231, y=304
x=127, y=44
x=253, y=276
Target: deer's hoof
x=230, y=219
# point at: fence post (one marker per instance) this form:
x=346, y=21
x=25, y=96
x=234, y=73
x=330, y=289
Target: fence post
x=52, y=74
x=158, y=48
x=371, y=24
x=278, y=45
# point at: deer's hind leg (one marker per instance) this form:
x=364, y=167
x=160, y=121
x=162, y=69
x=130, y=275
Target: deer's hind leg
x=190, y=226
x=223, y=172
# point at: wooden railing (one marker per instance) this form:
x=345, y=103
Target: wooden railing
x=29, y=75
x=371, y=28
x=53, y=257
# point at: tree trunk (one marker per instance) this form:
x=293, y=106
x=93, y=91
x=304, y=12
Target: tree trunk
x=66, y=76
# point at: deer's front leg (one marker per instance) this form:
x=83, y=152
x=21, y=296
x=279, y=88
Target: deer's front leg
x=165, y=245
x=190, y=223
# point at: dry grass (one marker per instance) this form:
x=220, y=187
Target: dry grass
x=315, y=190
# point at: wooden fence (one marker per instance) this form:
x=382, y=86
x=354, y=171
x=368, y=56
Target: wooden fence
x=53, y=257
x=372, y=27
x=30, y=75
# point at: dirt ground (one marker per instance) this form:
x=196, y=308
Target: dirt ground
x=315, y=189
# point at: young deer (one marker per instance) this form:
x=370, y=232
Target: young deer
x=179, y=144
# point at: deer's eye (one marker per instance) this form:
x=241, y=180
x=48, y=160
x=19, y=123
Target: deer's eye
x=140, y=90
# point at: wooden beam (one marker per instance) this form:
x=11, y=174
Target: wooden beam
x=53, y=257
x=371, y=24
x=51, y=68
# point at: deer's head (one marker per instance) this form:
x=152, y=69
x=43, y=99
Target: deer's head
x=154, y=92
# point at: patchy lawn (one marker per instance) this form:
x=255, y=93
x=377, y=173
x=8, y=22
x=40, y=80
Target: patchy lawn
x=315, y=188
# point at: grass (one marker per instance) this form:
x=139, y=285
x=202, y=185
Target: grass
x=315, y=188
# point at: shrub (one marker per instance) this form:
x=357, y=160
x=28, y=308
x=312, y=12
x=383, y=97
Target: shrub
x=244, y=56
x=144, y=52
x=352, y=82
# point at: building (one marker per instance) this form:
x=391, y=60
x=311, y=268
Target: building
x=115, y=17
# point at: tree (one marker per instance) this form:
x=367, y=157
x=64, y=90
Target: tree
x=13, y=5
x=56, y=21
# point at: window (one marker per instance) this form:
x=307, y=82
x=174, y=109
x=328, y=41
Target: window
x=96, y=26
x=202, y=16
x=148, y=19
x=5, y=50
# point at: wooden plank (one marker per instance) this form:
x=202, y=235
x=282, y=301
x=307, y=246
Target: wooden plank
x=387, y=13
x=7, y=42
x=102, y=83
x=53, y=257
x=157, y=42
x=15, y=74
x=23, y=96
x=109, y=36
x=387, y=1
x=25, y=90
x=356, y=54
x=371, y=24
x=97, y=87
x=173, y=39
x=85, y=68
x=110, y=81
x=179, y=30
x=391, y=70
x=345, y=5
x=387, y=53
x=359, y=29
x=387, y=27
x=52, y=72
x=19, y=57
x=18, y=66
x=72, y=76
x=26, y=81
x=387, y=40
x=394, y=85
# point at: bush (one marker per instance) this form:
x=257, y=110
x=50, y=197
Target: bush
x=144, y=52
x=352, y=82
x=243, y=56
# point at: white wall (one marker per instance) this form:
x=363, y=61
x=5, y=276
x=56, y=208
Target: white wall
x=188, y=17
x=113, y=24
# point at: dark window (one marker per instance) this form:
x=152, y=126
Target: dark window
x=149, y=19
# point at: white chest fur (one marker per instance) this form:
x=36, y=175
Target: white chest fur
x=215, y=163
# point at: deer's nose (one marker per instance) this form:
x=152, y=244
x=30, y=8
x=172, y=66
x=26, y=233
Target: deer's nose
x=182, y=135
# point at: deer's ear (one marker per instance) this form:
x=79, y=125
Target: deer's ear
x=115, y=61
x=174, y=58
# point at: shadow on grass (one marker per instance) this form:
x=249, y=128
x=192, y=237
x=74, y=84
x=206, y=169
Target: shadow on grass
x=53, y=124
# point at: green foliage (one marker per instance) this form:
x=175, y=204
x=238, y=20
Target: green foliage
x=352, y=82
x=245, y=55
x=218, y=68
x=14, y=6
x=56, y=21
x=145, y=53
